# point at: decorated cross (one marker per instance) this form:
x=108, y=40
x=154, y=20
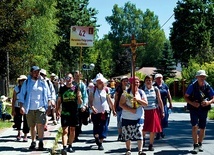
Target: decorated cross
x=133, y=45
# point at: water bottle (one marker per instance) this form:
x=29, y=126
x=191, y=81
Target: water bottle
x=169, y=111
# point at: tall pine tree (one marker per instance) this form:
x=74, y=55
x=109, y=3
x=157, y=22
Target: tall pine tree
x=166, y=63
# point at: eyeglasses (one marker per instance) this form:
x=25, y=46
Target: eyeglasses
x=68, y=78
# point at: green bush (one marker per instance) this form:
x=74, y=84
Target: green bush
x=211, y=114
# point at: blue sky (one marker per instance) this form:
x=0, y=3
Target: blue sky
x=162, y=8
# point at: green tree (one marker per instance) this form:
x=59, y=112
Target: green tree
x=42, y=38
x=192, y=31
x=166, y=63
x=13, y=35
x=129, y=20
x=71, y=13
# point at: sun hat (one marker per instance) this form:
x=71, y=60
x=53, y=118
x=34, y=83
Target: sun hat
x=201, y=73
x=43, y=71
x=90, y=84
x=52, y=74
x=100, y=77
x=21, y=77
x=34, y=68
x=4, y=98
x=158, y=75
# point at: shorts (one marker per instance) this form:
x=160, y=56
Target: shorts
x=132, y=129
x=36, y=117
x=70, y=120
x=199, y=117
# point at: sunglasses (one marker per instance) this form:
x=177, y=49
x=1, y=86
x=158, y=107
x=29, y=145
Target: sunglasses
x=68, y=78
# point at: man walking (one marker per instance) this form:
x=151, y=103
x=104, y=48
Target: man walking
x=35, y=101
x=81, y=107
x=199, y=96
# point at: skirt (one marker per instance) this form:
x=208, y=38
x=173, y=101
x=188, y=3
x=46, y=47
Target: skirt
x=152, y=122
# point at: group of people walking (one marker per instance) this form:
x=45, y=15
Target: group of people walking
x=140, y=109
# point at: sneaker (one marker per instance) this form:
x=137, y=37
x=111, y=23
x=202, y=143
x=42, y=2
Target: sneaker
x=162, y=135
x=128, y=152
x=41, y=146
x=100, y=147
x=119, y=138
x=141, y=153
x=63, y=152
x=70, y=149
x=200, y=148
x=25, y=139
x=18, y=138
x=195, y=149
x=32, y=146
x=151, y=148
x=157, y=136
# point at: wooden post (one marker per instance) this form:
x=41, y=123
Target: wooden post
x=133, y=45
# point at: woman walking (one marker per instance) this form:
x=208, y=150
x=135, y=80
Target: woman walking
x=152, y=122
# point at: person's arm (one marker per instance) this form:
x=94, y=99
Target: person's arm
x=91, y=99
x=13, y=113
x=124, y=106
x=160, y=102
x=143, y=101
x=169, y=97
x=58, y=105
x=116, y=97
x=189, y=91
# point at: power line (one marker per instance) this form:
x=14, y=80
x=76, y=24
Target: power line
x=167, y=20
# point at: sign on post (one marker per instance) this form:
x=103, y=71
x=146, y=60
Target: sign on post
x=82, y=36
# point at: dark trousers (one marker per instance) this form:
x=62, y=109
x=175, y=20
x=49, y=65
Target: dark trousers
x=18, y=121
x=79, y=127
x=100, y=124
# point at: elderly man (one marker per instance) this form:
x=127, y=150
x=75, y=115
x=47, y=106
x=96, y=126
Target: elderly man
x=35, y=102
x=199, y=97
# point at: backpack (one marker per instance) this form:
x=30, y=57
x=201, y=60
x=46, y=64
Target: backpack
x=199, y=95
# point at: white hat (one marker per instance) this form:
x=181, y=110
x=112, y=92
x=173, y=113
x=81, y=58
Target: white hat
x=21, y=77
x=43, y=71
x=52, y=74
x=124, y=77
x=4, y=98
x=100, y=76
x=201, y=73
x=158, y=75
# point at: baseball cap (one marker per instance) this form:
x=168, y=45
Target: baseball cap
x=34, y=68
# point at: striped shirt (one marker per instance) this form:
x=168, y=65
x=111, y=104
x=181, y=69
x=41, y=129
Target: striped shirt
x=151, y=98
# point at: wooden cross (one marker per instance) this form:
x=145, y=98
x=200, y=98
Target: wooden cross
x=133, y=45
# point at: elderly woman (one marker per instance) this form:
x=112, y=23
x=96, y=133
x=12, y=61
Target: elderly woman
x=165, y=94
x=132, y=102
x=16, y=110
x=152, y=122
x=101, y=104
